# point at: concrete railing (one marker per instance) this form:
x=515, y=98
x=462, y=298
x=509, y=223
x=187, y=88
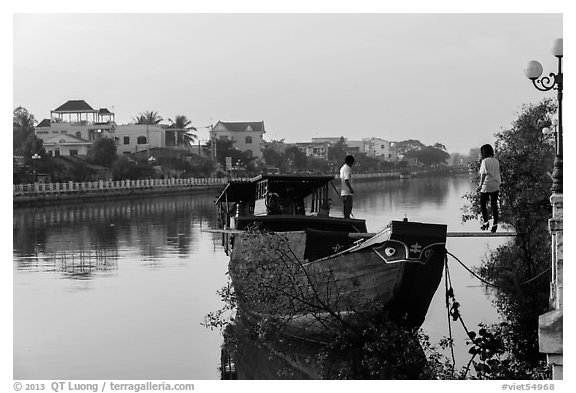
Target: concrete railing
x=112, y=186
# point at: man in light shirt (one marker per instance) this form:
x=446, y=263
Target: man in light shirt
x=346, y=190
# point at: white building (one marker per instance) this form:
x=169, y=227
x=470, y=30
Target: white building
x=247, y=136
x=316, y=149
x=134, y=138
x=73, y=127
x=376, y=148
x=379, y=148
x=66, y=145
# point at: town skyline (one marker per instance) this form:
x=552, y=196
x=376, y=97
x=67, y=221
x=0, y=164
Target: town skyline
x=389, y=76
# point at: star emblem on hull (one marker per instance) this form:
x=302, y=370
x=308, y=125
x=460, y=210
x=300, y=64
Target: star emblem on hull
x=415, y=248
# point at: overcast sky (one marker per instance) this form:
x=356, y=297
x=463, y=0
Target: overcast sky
x=449, y=78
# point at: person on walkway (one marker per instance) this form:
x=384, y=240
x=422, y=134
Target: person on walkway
x=346, y=190
x=489, y=186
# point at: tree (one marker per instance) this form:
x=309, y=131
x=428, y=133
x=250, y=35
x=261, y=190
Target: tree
x=184, y=129
x=407, y=145
x=103, y=152
x=474, y=154
x=201, y=167
x=148, y=117
x=296, y=160
x=429, y=156
x=338, y=151
x=225, y=148
x=32, y=145
x=458, y=159
x=123, y=168
x=525, y=157
x=273, y=157
x=439, y=146
x=22, y=127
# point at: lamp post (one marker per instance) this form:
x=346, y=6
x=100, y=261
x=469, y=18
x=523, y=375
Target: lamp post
x=552, y=82
x=35, y=158
x=546, y=131
x=550, y=324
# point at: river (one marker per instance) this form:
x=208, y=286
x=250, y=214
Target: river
x=118, y=290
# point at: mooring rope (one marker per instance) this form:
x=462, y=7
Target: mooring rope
x=454, y=313
x=449, y=291
x=492, y=284
x=453, y=310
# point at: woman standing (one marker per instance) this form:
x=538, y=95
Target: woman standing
x=489, y=186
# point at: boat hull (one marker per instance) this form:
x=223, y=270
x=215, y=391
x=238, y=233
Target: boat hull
x=311, y=280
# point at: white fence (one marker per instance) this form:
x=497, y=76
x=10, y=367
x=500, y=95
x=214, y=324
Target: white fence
x=72, y=189
x=112, y=186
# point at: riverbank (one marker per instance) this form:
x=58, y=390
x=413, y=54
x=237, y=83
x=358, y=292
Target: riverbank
x=50, y=193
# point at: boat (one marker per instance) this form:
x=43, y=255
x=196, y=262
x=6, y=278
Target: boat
x=294, y=262
x=405, y=174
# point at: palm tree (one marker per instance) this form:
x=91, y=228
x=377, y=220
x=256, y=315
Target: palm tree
x=148, y=117
x=183, y=128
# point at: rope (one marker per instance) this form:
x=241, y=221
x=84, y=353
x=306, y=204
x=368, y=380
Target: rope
x=453, y=310
x=492, y=284
x=448, y=292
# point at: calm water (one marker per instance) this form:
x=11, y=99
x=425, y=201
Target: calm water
x=118, y=290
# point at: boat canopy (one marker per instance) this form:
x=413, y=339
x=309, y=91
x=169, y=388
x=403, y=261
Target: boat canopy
x=252, y=189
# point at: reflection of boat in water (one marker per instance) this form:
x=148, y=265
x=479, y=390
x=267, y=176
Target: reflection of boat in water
x=244, y=357
x=310, y=270
x=252, y=358
x=405, y=175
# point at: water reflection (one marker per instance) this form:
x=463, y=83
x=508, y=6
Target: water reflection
x=82, y=239
x=136, y=277
x=74, y=264
x=246, y=358
x=140, y=275
x=416, y=193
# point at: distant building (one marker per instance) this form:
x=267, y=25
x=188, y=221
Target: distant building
x=73, y=127
x=316, y=149
x=331, y=140
x=134, y=138
x=66, y=145
x=247, y=136
x=377, y=148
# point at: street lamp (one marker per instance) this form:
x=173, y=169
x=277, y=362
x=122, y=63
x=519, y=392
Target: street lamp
x=35, y=157
x=554, y=81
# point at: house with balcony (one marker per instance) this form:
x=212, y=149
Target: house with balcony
x=247, y=136
x=315, y=149
x=73, y=127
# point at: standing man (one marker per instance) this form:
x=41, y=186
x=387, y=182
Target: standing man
x=346, y=190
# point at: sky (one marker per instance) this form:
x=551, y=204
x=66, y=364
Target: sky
x=452, y=78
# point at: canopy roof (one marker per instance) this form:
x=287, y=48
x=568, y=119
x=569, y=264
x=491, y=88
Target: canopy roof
x=303, y=185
